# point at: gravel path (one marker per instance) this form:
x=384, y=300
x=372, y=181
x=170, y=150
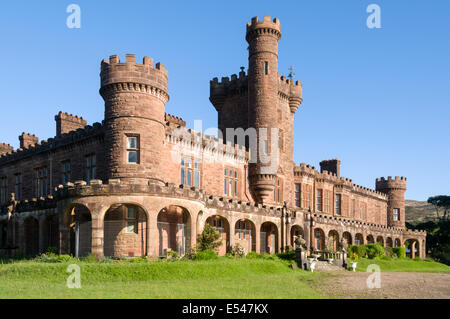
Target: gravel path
x=393, y=285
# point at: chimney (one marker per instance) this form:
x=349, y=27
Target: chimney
x=66, y=123
x=5, y=148
x=27, y=140
x=332, y=166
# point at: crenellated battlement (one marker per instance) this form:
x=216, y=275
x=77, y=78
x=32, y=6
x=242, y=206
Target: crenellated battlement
x=174, y=121
x=188, y=138
x=219, y=90
x=305, y=169
x=52, y=143
x=5, y=149
x=290, y=90
x=266, y=26
x=133, y=76
x=383, y=184
x=70, y=117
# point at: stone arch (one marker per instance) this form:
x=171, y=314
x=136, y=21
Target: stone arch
x=223, y=227
x=50, y=232
x=319, y=239
x=347, y=237
x=333, y=240
x=389, y=242
x=31, y=230
x=125, y=230
x=175, y=229
x=412, y=248
x=296, y=230
x=397, y=242
x=380, y=240
x=359, y=239
x=269, y=238
x=370, y=239
x=245, y=234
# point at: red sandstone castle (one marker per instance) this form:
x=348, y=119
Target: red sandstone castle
x=134, y=186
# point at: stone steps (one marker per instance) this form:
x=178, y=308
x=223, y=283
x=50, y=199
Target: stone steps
x=325, y=266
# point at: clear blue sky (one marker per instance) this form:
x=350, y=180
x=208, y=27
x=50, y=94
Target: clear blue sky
x=377, y=99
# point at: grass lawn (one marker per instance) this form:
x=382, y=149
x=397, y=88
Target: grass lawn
x=222, y=278
x=403, y=265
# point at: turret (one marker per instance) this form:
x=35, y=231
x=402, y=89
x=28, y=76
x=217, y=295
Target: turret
x=26, y=140
x=135, y=98
x=332, y=166
x=66, y=123
x=263, y=37
x=5, y=149
x=395, y=189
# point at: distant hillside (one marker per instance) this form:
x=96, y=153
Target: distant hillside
x=419, y=212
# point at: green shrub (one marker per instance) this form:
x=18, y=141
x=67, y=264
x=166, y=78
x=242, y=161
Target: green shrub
x=388, y=251
x=172, y=255
x=359, y=250
x=141, y=259
x=209, y=239
x=253, y=255
x=287, y=255
x=51, y=258
x=400, y=252
x=206, y=255
x=374, y=250
x=386, y=258
x=51, y=250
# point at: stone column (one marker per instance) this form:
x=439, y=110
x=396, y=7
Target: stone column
x=413, y=247
x=258, y=238
x=288, y=245
x=232, y=233
x=42, y=233
x=97, y=235
x=153, y=244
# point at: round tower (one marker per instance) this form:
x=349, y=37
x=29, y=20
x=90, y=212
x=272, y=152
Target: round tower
x=135, y=97
x=395, y=189
x=263, y=37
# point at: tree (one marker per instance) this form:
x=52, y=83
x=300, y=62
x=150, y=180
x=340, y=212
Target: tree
x=434, y=200
x=210, y=238
x=444, y=202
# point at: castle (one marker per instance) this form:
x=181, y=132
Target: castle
x=140, y=183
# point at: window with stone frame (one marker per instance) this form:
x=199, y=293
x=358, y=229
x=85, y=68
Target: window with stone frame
x=3, y=189
x=18, y=186
x=133, y=149
x=326, y=201
x=278, y=190
x=40, y=182
x=230, y=182
x=306, y=195
x=297, y=195
x=91, y=167
x=131, y=218
x=190, y=171
x=241, y=229
x=66, y=176
x=319, y=200
x=396, y=214
x=338, y=204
